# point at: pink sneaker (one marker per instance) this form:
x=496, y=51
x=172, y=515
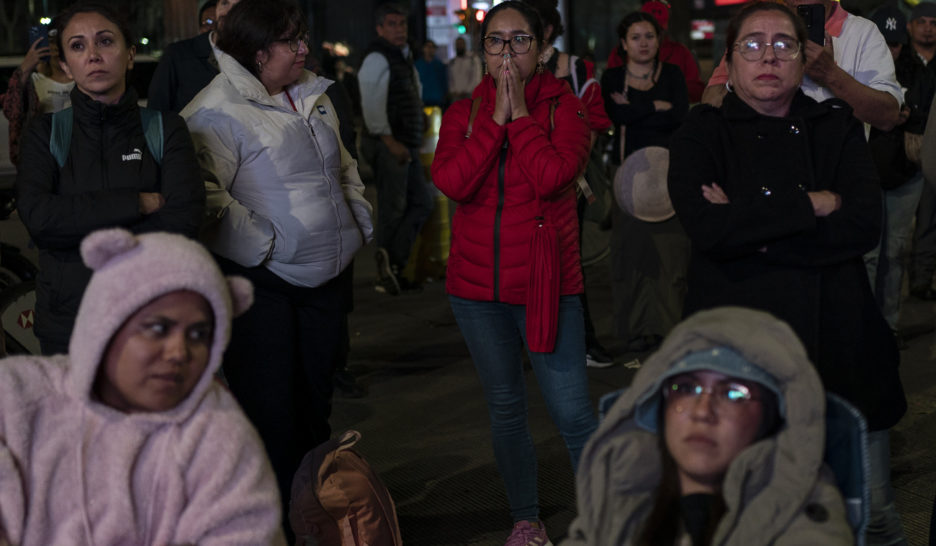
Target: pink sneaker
x=528, y=533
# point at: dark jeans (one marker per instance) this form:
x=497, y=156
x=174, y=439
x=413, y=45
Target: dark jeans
x=496, y=336
x=280, y=362
x=404, y=201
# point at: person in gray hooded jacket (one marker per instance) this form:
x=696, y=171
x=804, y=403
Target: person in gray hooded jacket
x=718, y=440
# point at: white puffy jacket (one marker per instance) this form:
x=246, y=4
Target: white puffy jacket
x=282, y=191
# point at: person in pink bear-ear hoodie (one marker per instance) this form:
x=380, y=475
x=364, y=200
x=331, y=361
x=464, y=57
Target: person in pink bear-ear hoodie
x=129, y=439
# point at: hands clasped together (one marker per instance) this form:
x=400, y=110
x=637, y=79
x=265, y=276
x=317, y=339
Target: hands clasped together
x=510, y=102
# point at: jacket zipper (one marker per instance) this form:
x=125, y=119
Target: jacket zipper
x=501, y=167
x=104, y=167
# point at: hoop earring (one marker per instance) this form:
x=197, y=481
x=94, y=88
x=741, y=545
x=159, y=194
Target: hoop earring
x=728, y=87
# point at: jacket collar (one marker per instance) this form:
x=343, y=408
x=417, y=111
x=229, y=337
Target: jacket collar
x=309, y=86
x=88, y=109
x=201, y=44
x=733, y=108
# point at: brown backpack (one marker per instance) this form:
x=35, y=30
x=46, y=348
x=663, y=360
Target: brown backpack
x=338, y=499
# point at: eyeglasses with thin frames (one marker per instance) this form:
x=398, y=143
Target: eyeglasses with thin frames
x=785, y=49
x=519, y=44
x=293, y=43
x=726, y=396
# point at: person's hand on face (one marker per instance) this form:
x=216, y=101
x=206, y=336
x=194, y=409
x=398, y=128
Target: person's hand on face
x=33, y=57
x=820, y=60
x=511, y=53
x=502, y=109
x=515, y=89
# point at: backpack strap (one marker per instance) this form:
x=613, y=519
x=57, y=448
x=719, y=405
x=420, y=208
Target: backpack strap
x=552, y=113
x=60, y=137
x=153, y=131
x=63, y=121
x=475, y=106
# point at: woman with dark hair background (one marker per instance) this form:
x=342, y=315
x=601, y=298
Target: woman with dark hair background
x=287, y=212
x=646, y=100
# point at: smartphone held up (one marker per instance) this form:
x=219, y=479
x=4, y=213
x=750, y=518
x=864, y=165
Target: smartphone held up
x=814, y=17
x=40, y=32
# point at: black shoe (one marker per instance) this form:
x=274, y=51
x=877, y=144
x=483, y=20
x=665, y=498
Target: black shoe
x=348, y=385
x=387, y=281
x=597, y=357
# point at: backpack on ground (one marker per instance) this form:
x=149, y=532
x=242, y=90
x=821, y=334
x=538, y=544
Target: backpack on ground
x=63, y=120
x=338, y=500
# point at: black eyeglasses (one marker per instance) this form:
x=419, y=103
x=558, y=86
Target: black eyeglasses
x=785, y=49
x=519, y=44
x=293, y=43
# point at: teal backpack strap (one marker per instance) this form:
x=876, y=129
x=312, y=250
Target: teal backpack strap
x=62, y=121
x=153, y=130
x=60, y=138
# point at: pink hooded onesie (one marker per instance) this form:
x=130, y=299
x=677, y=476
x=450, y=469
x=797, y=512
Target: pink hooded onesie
x=75, y=471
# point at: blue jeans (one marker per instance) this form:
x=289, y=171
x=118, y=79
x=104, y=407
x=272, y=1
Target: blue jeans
x=884, y=263
x=404, y=200
x=496, y=336
x=884, y=527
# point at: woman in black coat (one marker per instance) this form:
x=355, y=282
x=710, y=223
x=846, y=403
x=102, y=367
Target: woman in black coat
x=780, y=198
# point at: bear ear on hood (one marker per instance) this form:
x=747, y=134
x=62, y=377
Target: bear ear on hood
x=101, y=246
x=242, y=294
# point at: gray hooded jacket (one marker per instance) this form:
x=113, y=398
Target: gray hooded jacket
x=776, y=491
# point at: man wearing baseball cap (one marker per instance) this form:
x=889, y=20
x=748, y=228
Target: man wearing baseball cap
x=900, y=177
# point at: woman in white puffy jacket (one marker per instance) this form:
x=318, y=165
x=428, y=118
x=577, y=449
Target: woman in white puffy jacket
x=286, y=210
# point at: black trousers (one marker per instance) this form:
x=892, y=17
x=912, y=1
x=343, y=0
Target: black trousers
x=280, y=362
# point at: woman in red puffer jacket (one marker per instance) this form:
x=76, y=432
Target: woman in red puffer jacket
x=509, y=157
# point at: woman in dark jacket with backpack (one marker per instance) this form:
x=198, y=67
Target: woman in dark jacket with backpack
x=109, y=175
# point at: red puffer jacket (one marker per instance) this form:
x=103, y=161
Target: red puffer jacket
x=496, y=174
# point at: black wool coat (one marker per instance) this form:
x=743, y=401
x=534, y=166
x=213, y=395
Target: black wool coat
x=767, y=250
